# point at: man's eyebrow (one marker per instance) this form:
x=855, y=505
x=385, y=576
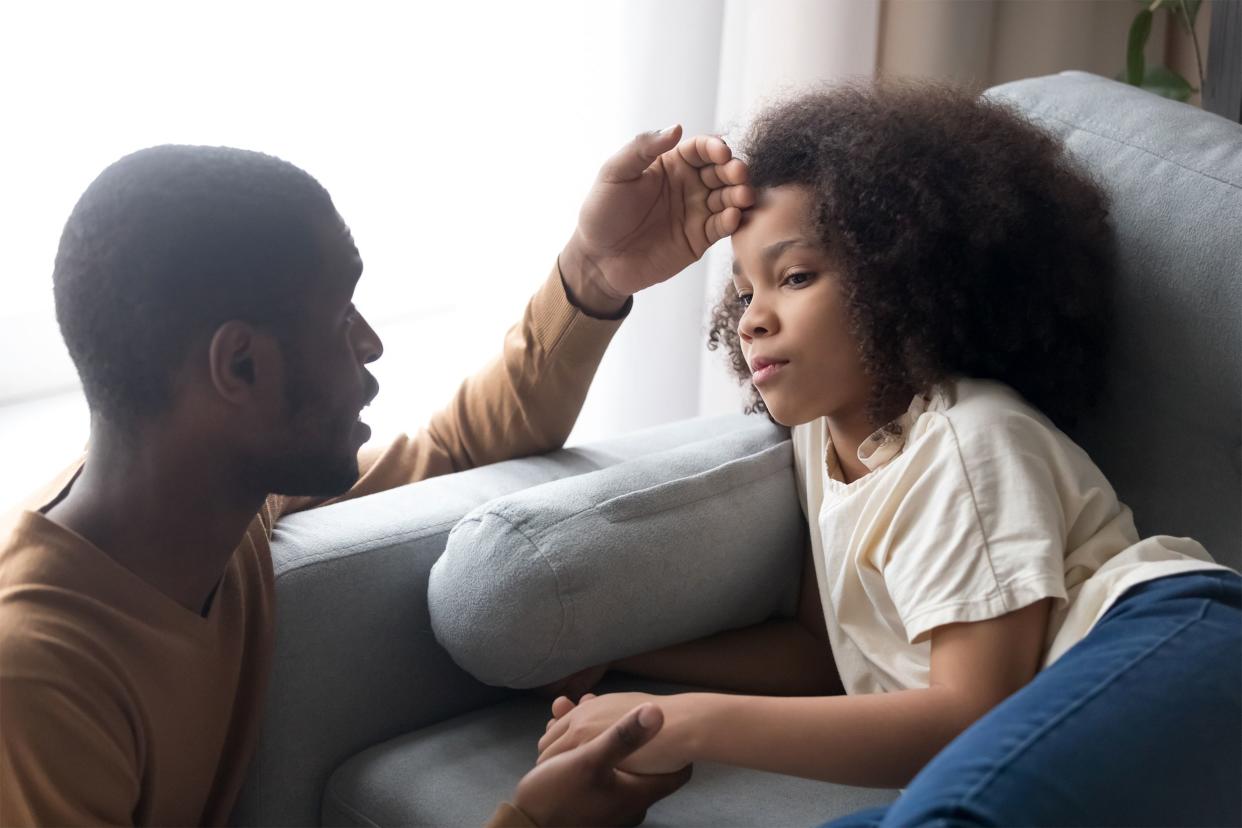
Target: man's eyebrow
x=773, y=251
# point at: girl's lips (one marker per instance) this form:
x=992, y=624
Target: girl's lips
x=767, y=372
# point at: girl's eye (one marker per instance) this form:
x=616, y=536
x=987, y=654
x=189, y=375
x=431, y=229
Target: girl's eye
x=799, y=278
x=743, y=299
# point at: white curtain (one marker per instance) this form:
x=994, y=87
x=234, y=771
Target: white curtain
x=770, y=49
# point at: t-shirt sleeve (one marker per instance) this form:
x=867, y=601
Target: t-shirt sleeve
x=65, y=758
x=977, y=527
x=525, y=401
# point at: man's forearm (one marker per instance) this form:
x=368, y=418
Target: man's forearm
x=880, y=740
x=773, y=658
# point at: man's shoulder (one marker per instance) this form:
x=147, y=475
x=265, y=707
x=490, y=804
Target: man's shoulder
x=43, y=645
x=50, y=623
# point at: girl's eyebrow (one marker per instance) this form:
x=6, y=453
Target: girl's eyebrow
x=773, y=251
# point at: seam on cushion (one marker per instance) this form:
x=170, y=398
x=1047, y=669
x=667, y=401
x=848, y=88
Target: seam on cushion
x=974, y=503
x=709, y=496
x=560, y=598
x=1082, y=126
x=1103, y=685
x=503, y=513
x=353, y=812
x=362, y=547
x=596, y=506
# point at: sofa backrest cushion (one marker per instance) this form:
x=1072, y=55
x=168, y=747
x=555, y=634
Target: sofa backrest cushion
x=1168, y=432
x=662, y=549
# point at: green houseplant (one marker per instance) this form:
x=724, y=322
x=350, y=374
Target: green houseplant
x=1160, y=79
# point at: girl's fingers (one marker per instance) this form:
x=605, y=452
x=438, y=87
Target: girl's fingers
x=560, y=706
x=553, y=748
x=553, y=733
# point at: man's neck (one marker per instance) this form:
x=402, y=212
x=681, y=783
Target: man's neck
x=168, y=509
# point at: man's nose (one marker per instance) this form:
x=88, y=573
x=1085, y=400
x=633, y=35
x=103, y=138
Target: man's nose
x=369, y=345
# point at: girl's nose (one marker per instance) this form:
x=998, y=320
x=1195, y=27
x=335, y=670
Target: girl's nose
x=756, y=321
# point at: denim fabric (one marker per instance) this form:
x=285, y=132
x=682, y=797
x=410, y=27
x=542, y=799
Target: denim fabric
x=1140, y=723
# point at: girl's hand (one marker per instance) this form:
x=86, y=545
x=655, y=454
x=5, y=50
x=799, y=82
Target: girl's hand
x=574, y=725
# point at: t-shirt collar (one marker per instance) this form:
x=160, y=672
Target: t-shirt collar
x=886, y=443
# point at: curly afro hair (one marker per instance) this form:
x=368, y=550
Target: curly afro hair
x=969, y=242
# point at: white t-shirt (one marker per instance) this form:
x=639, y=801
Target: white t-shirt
x=979, y=507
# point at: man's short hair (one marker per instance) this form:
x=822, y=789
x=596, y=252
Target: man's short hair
x=167, y=244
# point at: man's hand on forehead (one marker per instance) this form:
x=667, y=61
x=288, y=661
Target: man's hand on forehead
x=656, y=207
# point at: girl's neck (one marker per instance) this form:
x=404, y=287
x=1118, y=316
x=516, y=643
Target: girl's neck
x=847, y=434
x=848, y=430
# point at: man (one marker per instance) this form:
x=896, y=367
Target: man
x=205, y=295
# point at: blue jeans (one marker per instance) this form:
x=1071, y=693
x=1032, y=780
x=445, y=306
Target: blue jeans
x=1140, y=723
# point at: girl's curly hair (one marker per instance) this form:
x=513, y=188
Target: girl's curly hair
x=969, y=242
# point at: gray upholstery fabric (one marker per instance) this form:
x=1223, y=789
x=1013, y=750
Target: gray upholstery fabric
x=456, y=772
x=1168, y=433
x=666, y=548
x=355, y=662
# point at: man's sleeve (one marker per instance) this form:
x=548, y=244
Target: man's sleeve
x=525, y=401
x=65, y=759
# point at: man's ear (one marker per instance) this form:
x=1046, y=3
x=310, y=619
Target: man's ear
x=243, y=362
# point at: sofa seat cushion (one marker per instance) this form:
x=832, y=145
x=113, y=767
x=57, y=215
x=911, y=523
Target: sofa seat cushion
x=455, y=773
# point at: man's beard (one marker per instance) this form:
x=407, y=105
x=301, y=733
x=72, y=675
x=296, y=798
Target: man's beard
x=321, y=460
x=315, y=474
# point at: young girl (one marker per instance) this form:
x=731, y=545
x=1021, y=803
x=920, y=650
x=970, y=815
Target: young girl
x=922, y=293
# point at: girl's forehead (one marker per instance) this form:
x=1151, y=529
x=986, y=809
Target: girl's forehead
x=783, y=210
x=779, y=221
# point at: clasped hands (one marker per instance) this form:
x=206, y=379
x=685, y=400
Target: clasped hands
x=572, y=725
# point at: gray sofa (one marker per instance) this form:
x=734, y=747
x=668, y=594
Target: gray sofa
x=369, y=720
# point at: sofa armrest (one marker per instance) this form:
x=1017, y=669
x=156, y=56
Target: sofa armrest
x=355, y=660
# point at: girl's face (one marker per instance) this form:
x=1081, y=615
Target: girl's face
x=794, y=332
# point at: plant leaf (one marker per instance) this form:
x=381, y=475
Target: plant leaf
x=1192, y=11
x=1166, y=83
x=1140, y=30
